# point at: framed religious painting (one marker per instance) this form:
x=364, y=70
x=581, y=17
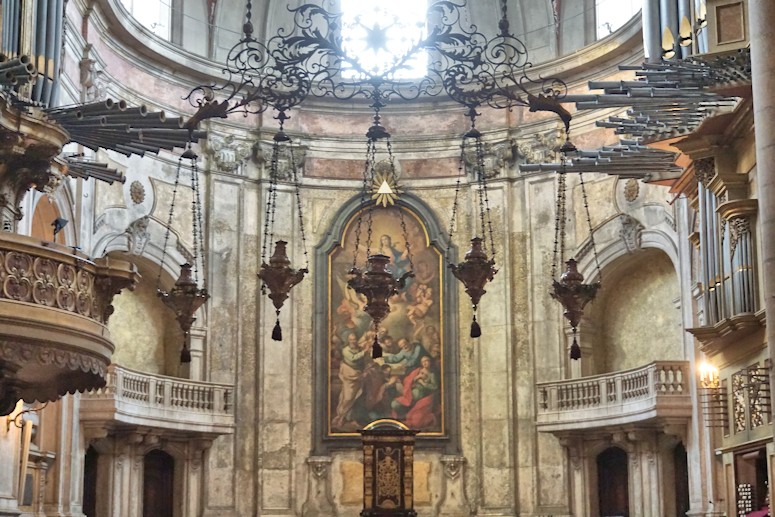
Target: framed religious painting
x=409, y=383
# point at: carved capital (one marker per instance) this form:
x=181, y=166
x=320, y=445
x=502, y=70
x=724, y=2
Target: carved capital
x=704, y=170
x=285, y=160
x=320, y=502
x=228, y=153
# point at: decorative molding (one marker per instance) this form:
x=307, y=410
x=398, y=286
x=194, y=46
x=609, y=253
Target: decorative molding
x=136, y=192
x=263, y=151
x=228, y=153
x=631, y=232
x=704, y=170
x=631, y=190
x=139, y=237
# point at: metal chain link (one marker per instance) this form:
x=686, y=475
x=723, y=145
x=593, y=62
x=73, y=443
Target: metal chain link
x=589, y=225
x=407, y=246
x=453, y=220
x=297, y=190
x=169, y=223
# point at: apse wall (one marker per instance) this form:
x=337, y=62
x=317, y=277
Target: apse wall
x=492, y=459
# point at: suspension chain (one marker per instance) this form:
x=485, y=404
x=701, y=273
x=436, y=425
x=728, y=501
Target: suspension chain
x=169, y=222
x=407, y=246
x=453, y=219
x=297, y=190
x=589, y=225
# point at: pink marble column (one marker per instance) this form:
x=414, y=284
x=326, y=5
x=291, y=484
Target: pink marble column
x=762, y=20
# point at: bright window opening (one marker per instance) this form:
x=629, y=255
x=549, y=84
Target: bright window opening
x=377, y=35
x=152, y=14
x=612, y=14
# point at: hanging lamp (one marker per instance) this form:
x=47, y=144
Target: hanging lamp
x=276, y=274
x=186, y=296
x=570, y=289
x=478, y=266
x=376, y=280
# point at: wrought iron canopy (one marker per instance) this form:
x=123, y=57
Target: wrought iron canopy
x=310, y=59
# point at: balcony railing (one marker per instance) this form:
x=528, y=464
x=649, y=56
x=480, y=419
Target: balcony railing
x=656, y=391
x=140, y=399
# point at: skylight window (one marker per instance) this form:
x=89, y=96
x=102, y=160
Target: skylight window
x=378, y=36
x=613, y=14
x=152, y=14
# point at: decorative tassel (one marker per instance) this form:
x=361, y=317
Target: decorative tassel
x=575, y=349
x=376, y=349
x=476, y=330
x=277, y=331
x=185, y=355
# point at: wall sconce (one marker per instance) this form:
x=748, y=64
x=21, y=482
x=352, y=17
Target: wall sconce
x=709, y=378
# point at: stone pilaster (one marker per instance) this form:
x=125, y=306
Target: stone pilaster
x=319, y=501
x=454, y=502
x=762, y=26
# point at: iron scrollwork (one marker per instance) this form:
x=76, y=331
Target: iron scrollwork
x=311, y=59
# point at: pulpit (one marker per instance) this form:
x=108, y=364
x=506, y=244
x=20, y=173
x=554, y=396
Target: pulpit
x=388, y=480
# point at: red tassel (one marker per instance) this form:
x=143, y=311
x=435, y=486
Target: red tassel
x=185, y=355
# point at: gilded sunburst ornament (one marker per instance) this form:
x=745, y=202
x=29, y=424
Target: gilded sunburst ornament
x=384, y=189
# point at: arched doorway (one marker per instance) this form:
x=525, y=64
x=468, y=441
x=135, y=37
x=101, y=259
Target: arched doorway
x=90, y=482
x=158, y=487
x=613, y=483
x=681, y=480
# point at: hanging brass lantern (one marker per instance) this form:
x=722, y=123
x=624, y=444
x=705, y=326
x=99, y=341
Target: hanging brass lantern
x=571, y=291
x=377, y=282
x=574, y=295
x=378, y=285
x=185, y=298
x=475, y=271
x=478, y=266
x=279, y=277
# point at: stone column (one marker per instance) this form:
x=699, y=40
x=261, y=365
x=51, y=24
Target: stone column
x=9, y=450
x=319, y=501
x=454, y=502
x=762, y=25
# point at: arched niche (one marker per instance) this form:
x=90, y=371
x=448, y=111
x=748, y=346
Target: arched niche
x=337, y=317
x=145, y=333
x=636, y=315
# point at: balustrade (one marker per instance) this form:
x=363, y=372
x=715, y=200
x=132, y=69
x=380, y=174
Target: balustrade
x=632, y=394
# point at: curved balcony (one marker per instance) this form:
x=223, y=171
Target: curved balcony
x=656, y=393
x=133, y=400
x=54, y=304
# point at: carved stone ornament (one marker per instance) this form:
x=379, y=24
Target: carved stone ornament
x=631, y=190
x=91, y=77
x=228, y=153
x=631, y=232
x=704, y=170
x=497, y=157
x=320, y=502
x=538, y=148
x=138, y=235
x=28, y=144
x=136, y=192
x=284, y=172
x=738, y=227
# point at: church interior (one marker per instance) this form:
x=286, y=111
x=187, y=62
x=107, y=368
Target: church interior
x=532, y=235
